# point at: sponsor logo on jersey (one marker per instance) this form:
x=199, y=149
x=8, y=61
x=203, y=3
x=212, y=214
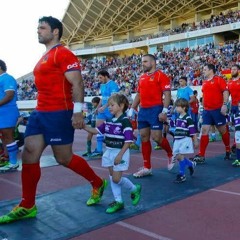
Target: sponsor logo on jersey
x=74, y=65
x=117, y=130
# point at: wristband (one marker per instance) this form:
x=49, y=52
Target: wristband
x=165, y=110
x=78, y=107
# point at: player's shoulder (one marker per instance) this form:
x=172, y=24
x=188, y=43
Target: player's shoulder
x=219, y=78
x=8, y=78
x=63, y=50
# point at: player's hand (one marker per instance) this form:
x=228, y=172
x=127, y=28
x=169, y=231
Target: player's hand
x=162, y=117
x=101, y=109
x=224, y=110
x=78, y=120
x=131, y=112
x=117, y=160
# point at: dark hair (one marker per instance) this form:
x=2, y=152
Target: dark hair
x=152, y=57
x=54, y=23
x=211, y=67
x=195, y=92
x=182, y=102
x=183, y=78
x=120, y=98
x=237, y=66
x=96, y=100
x=104, y=73
x=3, y=66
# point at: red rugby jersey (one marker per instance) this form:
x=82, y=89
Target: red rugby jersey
x=234, y=90
x=151, y=87
x=54, y=90
x=213, y=92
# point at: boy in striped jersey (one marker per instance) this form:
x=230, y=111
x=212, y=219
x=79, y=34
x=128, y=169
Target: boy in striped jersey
x=236, y=163
x=184, y=139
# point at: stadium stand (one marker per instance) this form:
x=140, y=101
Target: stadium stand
x=203, y=35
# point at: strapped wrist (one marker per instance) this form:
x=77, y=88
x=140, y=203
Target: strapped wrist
x=165, y=110
x=77, y=107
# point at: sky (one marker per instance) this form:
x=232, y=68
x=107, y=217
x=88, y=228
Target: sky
x=19, y=46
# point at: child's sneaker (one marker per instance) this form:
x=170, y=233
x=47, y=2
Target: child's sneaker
x=136, y=195
x=191, y=168
x=9, y=167
x=96, y=154
x=3, y=161
x=97, y=194
x=199, y=159
x=180, y=178
x=157, y=147
x=143, y=172
x=86, y=154
x=227, y=156
x=134, y=146
x=236, y=163
x=212, y=139
x=19, y=213
x=114, y=207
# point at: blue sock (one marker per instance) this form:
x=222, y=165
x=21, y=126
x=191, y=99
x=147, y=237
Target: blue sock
x=100, y=142
x=238, y=154
x=182, y=165
x=188, y=162
x=12, y=149
x=138, y=141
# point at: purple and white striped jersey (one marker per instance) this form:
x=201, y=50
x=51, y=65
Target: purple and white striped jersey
x=117, y=131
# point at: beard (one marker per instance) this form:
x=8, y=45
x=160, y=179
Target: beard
x=234, y=75
x=146, y=69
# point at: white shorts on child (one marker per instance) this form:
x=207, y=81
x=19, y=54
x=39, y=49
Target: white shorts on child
x=183, y=146
x=109, y=156
x=237, y=136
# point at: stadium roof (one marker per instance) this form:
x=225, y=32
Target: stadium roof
x=94, y=19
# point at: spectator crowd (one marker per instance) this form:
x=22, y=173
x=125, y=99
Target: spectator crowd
x=188, y=62
x=213, y=21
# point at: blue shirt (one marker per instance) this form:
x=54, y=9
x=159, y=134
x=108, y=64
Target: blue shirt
x=185, y=92
x=8, y=83
x=107, y=89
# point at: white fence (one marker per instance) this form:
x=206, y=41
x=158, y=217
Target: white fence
x=31, y=104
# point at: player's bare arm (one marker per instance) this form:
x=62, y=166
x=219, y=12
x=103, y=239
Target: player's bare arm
x=225, y=102
x=167, y=98
x=75, y=78
x=7, y=98
x=136, y=101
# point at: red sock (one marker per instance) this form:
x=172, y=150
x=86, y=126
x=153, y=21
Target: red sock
x=204, y=140
x=146, y=152
x=31, y=174
x=166, y=146
x=226, y=140
x=81, y=167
